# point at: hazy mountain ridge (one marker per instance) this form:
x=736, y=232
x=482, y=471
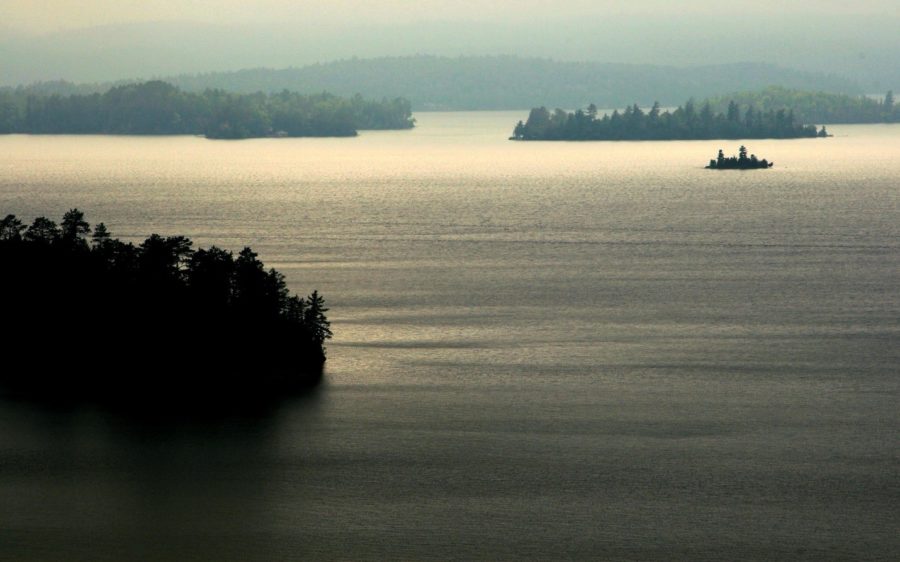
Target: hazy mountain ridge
x=500, y=82
x=861, y=47
x=507, y=82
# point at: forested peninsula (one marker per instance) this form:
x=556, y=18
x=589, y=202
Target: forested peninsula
x=159, y=108
x=815, y=107
x=90, y=317
x=684, y=123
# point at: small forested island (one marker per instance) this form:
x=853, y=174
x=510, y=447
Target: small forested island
x=157, y=324
x=814, y=107
x=159, y=108
x=684, y=123
x=739, y=162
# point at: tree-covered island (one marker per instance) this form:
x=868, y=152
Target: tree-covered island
x=159, y=108
x=684, y=123
x=90, y=317
x=740, y=162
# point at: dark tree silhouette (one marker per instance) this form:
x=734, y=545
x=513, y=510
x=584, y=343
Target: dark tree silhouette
x=315, y=320
x=739, y=162
x=73, y=226
x=100, y=237
x=211, y=274
x=42, y=231
x=151, y=325
x=11, y=228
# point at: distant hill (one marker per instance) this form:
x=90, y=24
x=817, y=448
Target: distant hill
x=508, y=82
x=494, y=82
x=830, y=40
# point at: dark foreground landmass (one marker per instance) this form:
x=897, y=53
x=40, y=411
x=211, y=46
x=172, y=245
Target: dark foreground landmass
x=684, y=123
x=159, y=108
x=157, y=325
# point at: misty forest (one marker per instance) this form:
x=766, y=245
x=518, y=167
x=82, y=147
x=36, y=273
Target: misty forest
x=814, y=107
x=159, y=108
x=684, y=123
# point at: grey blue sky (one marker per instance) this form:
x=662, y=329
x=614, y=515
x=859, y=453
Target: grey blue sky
x=101, y=40
x=54, y=15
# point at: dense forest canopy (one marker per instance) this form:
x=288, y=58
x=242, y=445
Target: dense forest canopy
x=159, y=108
x=816, y=107
x=115, y=320
x=494, y=82
x=687, y=122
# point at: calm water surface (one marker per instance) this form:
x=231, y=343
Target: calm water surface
x=542, y=351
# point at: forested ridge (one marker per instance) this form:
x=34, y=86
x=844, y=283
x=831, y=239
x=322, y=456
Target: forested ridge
x=493, y=82
x=510, y=82
x=88, y=316
x=159, y=108
x=816, y=107
x=687, y=122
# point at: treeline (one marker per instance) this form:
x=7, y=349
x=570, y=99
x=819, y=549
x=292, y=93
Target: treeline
x=816, y=107
x=159, y=108
x=89, y=316
x=684, y=123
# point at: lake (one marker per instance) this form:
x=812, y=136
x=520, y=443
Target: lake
x=594, y=350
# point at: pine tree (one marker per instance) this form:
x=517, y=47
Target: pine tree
x=101, y=236
x=73, y=226
x=11, y=228
x=42, y=230
x=315, y=320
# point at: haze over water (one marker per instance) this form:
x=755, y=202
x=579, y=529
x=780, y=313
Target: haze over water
x=542, y=351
